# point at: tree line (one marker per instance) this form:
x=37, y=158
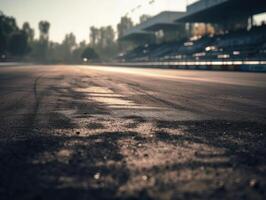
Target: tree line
x=20, y=44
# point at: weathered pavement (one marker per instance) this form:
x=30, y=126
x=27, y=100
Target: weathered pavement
x=78, y=132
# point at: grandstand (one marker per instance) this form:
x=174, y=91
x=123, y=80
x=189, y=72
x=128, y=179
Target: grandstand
x=214, y=10
x=236, y=39
x=146, y=31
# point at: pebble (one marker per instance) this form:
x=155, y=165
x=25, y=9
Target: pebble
x=97, y=176
x=144, y=178
x=253, y=183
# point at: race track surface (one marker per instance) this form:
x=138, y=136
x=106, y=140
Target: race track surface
x=88, y=132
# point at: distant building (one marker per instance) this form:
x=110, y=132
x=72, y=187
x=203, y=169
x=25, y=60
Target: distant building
x=161, y=27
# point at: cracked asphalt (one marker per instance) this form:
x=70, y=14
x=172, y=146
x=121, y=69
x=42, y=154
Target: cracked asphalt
x=90, y=132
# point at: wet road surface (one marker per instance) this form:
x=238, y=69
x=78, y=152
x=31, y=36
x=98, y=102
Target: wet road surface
x=79, y=132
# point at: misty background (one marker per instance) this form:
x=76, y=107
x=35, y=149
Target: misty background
x=66, y=31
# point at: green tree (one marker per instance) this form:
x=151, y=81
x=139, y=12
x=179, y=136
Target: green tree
x=108, y=46
x=103, y=41
x=41, y=46
x=68, y=46
x=109, y=36
x=8, y=26
x=89, y=54
x=124, y=24
x=94, y=36
x=28, y=31
x=76, y=54
x=18, y=44
x=44, y=27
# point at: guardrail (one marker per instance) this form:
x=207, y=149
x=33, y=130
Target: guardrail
x=250, y=66
x=3, y=64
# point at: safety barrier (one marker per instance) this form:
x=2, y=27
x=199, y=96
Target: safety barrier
x=245, y=66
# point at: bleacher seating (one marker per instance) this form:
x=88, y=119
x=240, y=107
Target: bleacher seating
x=241, y=44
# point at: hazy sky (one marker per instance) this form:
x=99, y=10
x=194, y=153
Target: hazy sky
x=78, y=15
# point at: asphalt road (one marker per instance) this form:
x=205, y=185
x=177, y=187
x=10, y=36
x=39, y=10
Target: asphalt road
x=79, y=132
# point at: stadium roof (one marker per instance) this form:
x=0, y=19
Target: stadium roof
x=138, y=36
x=222, y=10
x=162, y=21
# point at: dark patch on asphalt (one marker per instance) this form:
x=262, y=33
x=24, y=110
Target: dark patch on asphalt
x=58, y=120
x=135, y=118
x=39, y=168
x=95, y=125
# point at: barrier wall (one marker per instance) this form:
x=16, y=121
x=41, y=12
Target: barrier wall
x=171, y=65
